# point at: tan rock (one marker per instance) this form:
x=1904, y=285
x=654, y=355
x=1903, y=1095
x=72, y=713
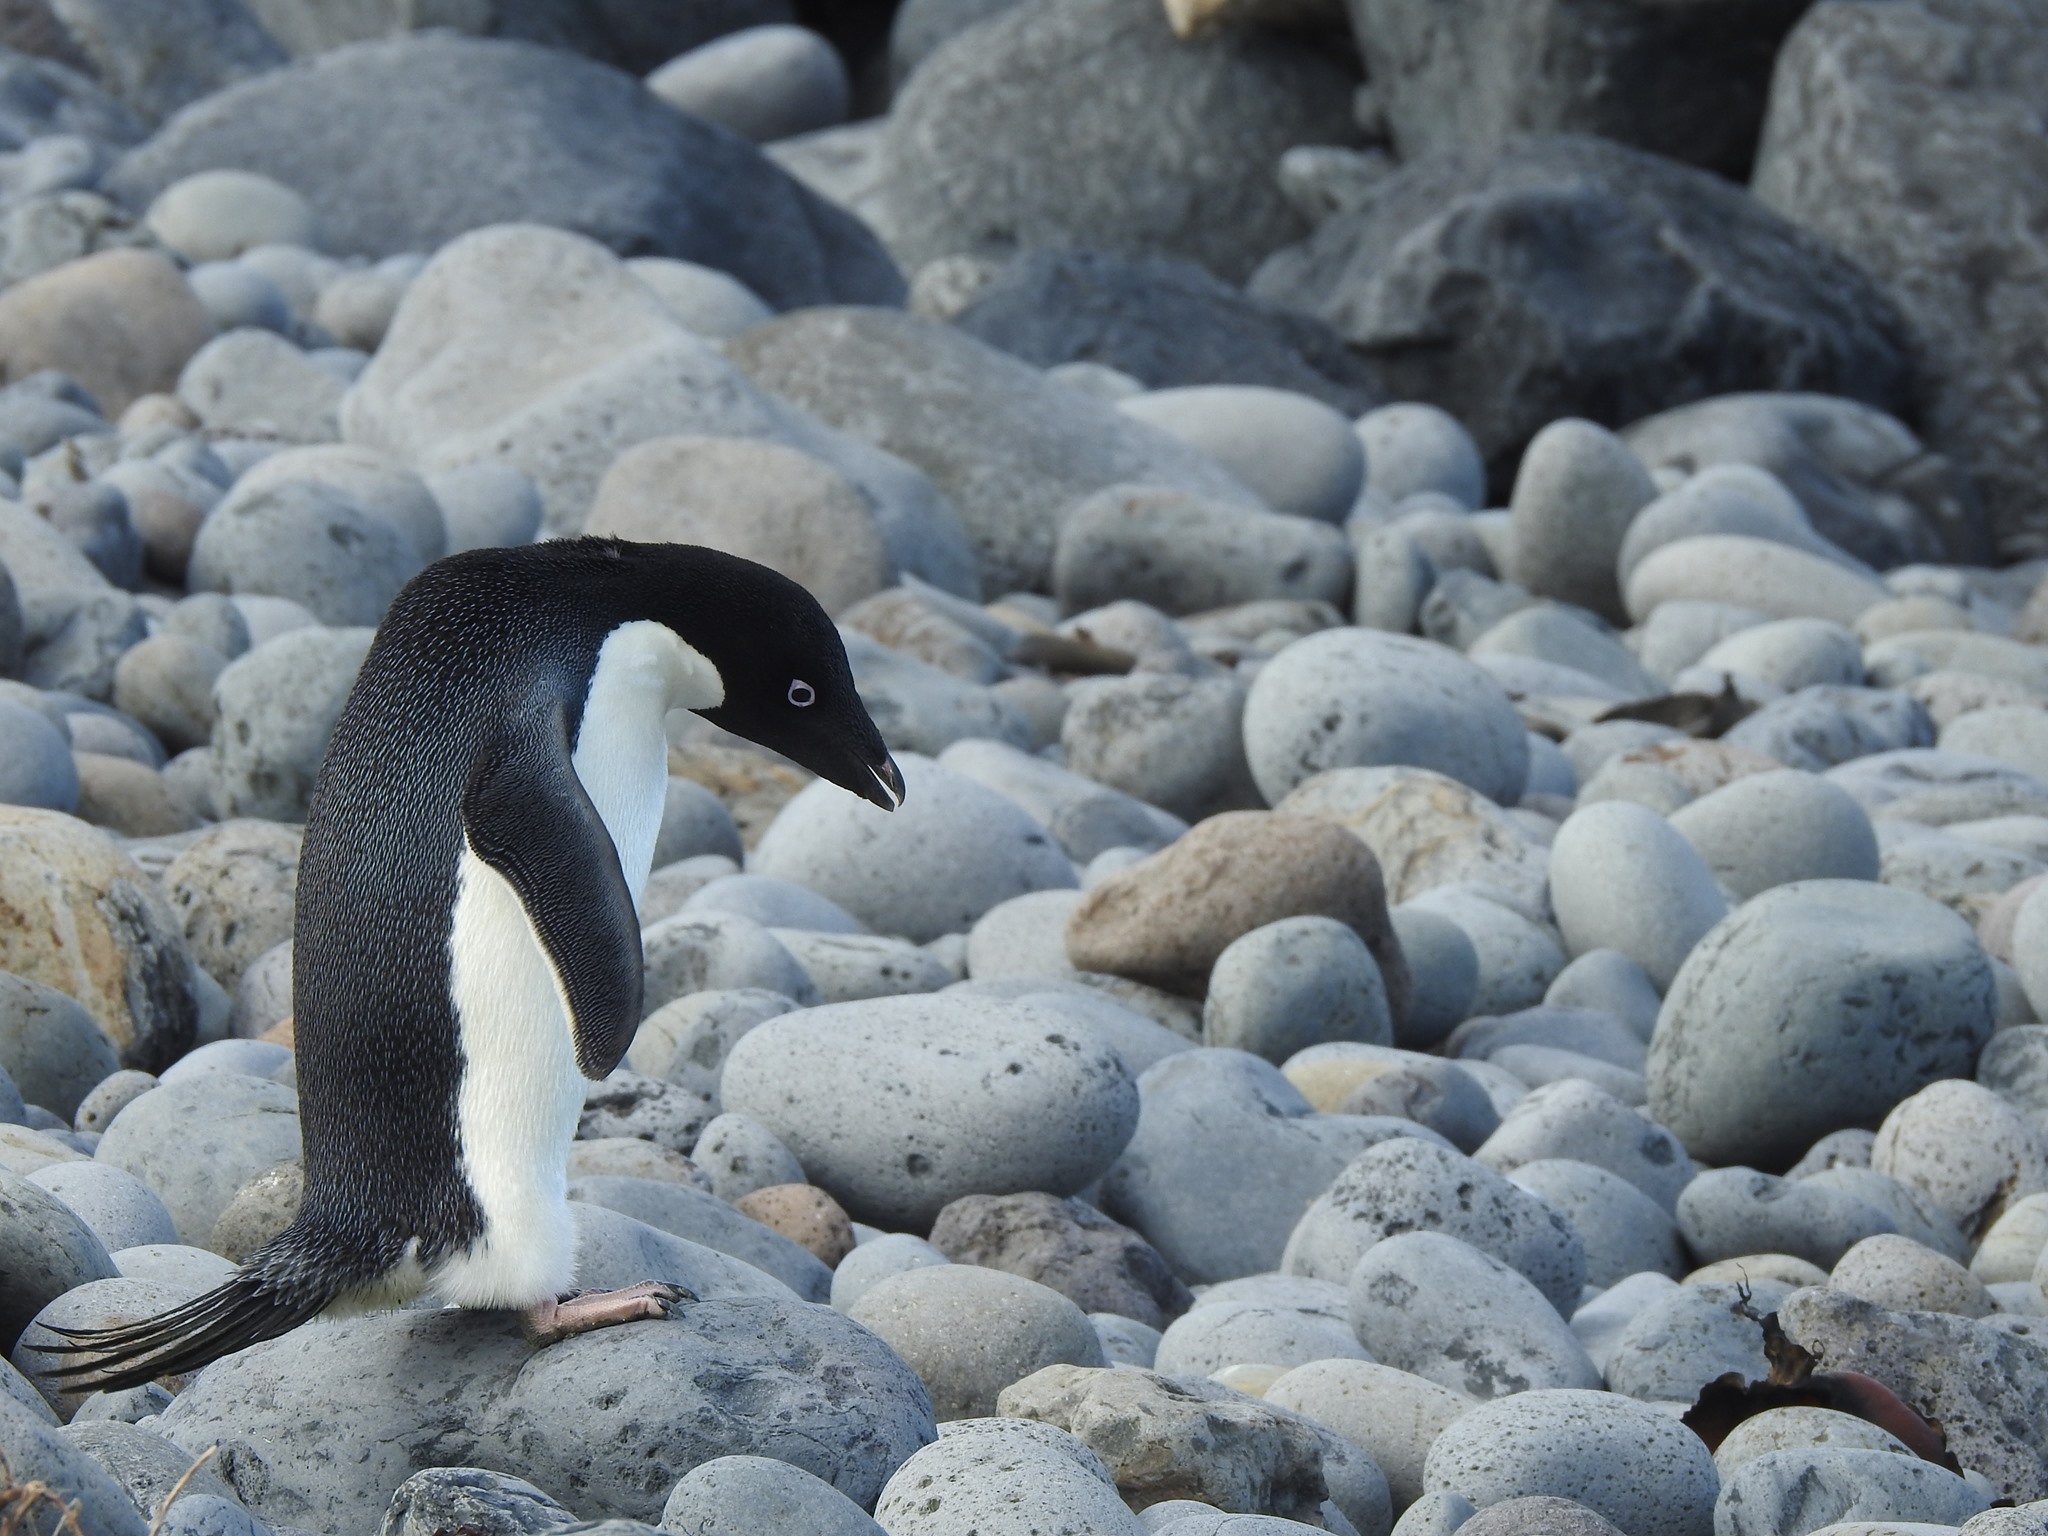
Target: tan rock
x=1166, y=919
x=260, y=1209
x=1180, y=1438
x=122, y=323
x=1427, y=830
x=77, y=914
x=804, y=1214
x=748, y=497
x=233, y=891
x=284, y=1032
x=903, y=621
x=127, y=798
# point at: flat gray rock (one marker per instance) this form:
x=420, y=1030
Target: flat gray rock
x=610, y=1419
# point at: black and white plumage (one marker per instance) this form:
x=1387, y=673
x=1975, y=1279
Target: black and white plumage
x=467, y=947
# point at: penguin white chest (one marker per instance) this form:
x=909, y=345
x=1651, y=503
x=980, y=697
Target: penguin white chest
x=643, y=671
x=522, y=1091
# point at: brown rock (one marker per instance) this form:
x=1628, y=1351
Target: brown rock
x=233, y=891
x=1097, y=1264
x=127, y=798
x=1180, y=1438
x=77, y=914
x=756, y=499
x=804, y=1214
x=122, y=323
x=1165, y=920
x=261, y=1209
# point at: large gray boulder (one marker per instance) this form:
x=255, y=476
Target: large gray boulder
x=1012, y=450
x=608, y=1421
x=1566, y=276
x=402, y=144
x=1163, y=322
x=1686, y=81
x=1088, y=124
x=1909, y=137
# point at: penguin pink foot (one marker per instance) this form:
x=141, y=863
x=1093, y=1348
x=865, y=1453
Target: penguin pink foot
x=549, y=1322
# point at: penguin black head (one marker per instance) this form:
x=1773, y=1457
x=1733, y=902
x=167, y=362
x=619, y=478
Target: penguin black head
x=788, y=685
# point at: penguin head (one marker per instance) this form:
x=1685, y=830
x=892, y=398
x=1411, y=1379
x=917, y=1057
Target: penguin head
x=789, y=687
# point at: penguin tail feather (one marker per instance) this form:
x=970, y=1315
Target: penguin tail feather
x=240, y=1312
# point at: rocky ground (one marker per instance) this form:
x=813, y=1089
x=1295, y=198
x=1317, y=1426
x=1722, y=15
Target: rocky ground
x=1455, y=590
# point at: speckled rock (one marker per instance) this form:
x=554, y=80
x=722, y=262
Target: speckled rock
x=1966, y=1148
x=1624, y=1460
x=950, y=853
x=1742, y=1068
x=1094, y=1262
x=1624, y=1231
x=1004, y=1477
x=1172, y=741
x=1407, y=1185
x=1428, y=1303
x=232, y=888
x=278, y=705
x=1394, y=1416
x=1576, y=1119
x=970, y=1332
x=1056, y=1123
x=1363, y=698
x=1897, y=1273
x=248, y=1125
x=1806, y=1489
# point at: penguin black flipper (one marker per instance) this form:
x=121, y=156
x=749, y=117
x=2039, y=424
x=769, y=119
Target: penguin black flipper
x=527, y=815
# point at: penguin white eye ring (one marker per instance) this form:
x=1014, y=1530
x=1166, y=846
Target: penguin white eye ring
x=801, y=693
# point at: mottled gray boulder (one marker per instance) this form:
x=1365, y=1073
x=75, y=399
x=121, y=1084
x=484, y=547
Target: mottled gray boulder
x=1428, y=1303
x=1067, y=1245
x=1641, y=1469
x=1871, y=109
x=442, y=1498
x=899, y=1106
x=992, y=144
x=1818, y=1005
x=278, y=705
x=1011, y=449
x=544, y=140
x=199, y=1140
x=1563, y=276
x=1807, y=1488
x=1688, y=82
x=1163, y=322
x=609, y=1419
x=1408, y=1185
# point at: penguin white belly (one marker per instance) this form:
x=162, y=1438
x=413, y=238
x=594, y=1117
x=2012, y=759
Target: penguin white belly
x=522, y=1091
x=518, y=1105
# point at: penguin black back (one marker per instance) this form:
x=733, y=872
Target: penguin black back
x=479, y=674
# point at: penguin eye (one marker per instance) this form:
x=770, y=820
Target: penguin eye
x=801, y=693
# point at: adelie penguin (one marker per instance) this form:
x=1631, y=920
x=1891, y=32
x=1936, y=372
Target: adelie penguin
x=467, y=947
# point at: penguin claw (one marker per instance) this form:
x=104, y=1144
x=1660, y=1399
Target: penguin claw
x=549, y=1322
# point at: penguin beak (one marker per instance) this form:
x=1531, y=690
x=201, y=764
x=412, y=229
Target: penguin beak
x=887, y=788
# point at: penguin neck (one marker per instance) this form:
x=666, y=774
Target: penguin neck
x=644, y=669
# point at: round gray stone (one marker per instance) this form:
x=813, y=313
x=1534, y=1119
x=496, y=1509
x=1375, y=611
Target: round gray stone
x=122, y=1211
x=1411, y=447
x=1443, y=975
x=1622, y=878
x=969, y=1332
x=197, y=1142
x=1645, y=1471
x=1427, y=1303
x=1364, y=698
x=1289, y=985
x=35, y=761
x=51, y=1047
x=1770, y=829
x=308, y=542
x=49, y=1250
x=277, y=708
x=1294, y=453
x=1624, y=1231
x=899, y=1106
x=1816, y=1006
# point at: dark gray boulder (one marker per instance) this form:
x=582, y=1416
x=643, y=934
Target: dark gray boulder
x=1165, y=323
x=605, y=1421
x=1688, y=81
x=403, y=144
x=1909, y=136
x=1566, y=276
x=1087, y=123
